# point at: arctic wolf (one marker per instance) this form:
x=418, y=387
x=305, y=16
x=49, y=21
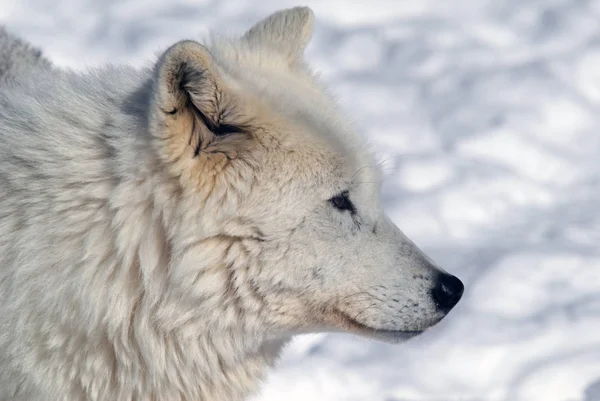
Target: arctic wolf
x=165, y=231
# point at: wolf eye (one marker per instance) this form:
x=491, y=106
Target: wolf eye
x=342, y=202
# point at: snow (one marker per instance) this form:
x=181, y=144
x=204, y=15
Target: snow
x=485, y=116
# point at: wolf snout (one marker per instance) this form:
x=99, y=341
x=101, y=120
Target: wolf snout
x=447, y=291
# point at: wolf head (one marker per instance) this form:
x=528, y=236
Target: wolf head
x=279, y=224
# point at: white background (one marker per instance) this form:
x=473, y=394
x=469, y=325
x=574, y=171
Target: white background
x=485, y=114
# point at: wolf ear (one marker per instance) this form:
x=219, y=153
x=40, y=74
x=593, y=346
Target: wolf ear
x=287, y=31
x=189, y=100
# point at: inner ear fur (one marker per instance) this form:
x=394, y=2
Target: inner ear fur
x=189, y=102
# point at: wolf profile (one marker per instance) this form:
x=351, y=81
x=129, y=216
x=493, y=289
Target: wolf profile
x=165, y=231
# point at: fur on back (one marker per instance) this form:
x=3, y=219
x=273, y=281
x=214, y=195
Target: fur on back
x=17, y=57
x=165, y=230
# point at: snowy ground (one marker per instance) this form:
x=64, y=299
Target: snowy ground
x=486, y=114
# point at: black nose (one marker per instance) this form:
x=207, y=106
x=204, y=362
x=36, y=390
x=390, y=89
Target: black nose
x=447, y=291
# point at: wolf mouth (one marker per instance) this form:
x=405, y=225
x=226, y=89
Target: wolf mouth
x=354, y=325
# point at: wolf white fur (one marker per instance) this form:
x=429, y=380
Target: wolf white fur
x=165, y=231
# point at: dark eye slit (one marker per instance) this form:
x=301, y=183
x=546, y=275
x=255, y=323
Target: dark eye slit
x=342, y=202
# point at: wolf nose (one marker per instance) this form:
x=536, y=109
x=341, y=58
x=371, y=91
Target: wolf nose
x=447, y=291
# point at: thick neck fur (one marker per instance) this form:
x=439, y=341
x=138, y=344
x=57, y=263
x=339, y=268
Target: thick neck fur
x=186, y=346
x=191, y=346
x=138, y=342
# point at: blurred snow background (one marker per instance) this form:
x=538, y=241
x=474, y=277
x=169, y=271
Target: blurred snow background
x=486, y=116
